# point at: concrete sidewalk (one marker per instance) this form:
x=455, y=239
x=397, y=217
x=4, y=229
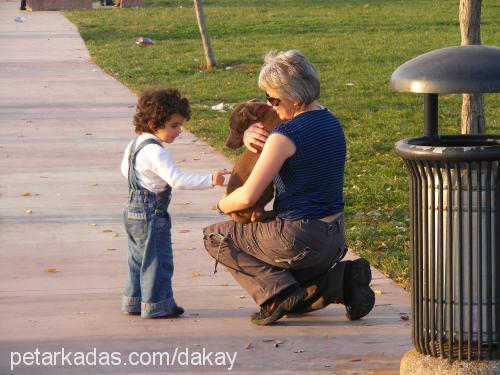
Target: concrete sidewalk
x=63, y=127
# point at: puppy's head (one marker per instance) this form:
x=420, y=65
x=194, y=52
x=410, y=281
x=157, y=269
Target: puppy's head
x=244, y=115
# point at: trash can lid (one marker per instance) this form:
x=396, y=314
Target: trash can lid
x=451, y=148
x=460, y=69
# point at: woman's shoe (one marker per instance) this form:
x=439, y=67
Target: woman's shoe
x=359, y=298
x=281, y=305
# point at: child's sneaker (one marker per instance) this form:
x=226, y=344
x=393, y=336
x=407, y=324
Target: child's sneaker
x=178, y=311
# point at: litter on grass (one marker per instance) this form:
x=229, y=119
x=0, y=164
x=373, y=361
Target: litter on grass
x=143, y=41
x=218, y=107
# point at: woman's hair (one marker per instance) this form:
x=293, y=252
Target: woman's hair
x=290, y=74
x=156, y=106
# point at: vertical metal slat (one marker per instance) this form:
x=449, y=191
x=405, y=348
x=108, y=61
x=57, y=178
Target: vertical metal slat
x=425, y=260
x=460, y=251
x=489, y=302
x=432, y=266
x=479, y=251
x=449, y=267
x=469, y=284
x=440, y=267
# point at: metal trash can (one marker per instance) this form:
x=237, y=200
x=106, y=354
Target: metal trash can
x=455, y=229
x=455, y=211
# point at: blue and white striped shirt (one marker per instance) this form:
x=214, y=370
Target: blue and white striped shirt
x=310, y=183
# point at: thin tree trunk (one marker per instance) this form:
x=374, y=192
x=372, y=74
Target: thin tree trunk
x=473, y=120
x=205, y=37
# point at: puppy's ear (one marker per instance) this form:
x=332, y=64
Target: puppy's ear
x=246, y=115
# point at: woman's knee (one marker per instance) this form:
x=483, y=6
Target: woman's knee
x=214, y=235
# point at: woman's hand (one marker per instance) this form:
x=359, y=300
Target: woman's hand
x=255, y=135
x=218, y=178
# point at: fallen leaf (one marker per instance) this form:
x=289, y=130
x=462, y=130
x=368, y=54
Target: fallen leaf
x=249, y=346
x=52, y=270
x=93, y=184
x=241, y=297
x=111, y=249
x=106, y=231
x=404, y=317
x=377, y=291
x=116, y=235
x=299, y=351
x=184, y=231
x=25, y=194
x=224, y=284
x=196, y=158
x=276, y=345
x=195, y=274
x=29, y=212
x=93, y=225
x=268, y=340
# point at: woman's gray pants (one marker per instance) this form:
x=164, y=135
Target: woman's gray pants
x=268, y=257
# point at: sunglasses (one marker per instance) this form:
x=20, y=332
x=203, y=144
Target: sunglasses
x=273, y=101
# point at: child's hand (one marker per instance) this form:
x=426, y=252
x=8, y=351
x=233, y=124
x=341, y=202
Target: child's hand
x=218, y=178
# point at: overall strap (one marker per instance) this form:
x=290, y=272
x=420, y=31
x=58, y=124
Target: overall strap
x=132, y=156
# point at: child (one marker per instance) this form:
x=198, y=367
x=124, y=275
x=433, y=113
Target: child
x=151, y=175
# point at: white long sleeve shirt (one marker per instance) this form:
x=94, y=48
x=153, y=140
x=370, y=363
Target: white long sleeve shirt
x=155, y=169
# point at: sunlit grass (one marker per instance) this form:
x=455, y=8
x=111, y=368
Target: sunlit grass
x=356, y=42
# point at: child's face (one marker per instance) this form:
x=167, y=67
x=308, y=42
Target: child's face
x=171, y=130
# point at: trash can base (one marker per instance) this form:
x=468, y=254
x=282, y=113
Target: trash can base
x=415, y=363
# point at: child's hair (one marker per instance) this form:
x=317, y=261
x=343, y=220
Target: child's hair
x=156, y=106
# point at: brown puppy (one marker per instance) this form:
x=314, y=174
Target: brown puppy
x=244, y=115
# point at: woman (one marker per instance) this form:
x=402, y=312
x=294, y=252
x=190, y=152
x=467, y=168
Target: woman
x=292, y=263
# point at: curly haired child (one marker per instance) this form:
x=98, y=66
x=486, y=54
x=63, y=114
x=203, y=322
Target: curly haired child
x=152, y=175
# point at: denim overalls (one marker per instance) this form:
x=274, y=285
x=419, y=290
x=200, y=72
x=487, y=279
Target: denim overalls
x=148, y=289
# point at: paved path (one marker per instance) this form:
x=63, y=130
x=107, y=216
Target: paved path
x=63, y=127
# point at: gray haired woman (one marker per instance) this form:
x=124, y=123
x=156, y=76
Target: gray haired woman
x=292, y=264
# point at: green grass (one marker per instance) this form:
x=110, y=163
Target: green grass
x=359, y=42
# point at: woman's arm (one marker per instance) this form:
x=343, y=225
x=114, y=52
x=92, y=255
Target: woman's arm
x=277, y=149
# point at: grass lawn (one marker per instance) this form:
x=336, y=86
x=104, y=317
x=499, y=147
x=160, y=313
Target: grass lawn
x=360, y=42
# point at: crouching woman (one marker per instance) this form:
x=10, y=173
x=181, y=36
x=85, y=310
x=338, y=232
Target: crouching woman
x=292, y=264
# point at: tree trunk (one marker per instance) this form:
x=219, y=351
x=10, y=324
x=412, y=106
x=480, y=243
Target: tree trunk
x=473, y=120
x=205, y=37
